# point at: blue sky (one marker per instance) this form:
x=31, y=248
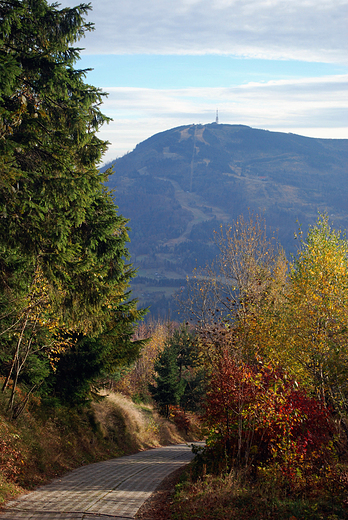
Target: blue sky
x=280, y=65
x=182, y=71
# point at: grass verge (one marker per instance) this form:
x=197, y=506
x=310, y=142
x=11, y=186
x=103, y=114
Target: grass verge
x=235, y=497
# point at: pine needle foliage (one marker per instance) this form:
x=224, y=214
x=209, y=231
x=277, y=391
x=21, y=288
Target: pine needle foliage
x=63, y=270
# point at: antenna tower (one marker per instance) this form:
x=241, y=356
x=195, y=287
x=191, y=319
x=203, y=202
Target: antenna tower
x=217, y=117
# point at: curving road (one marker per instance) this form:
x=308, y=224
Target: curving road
x=110, y=490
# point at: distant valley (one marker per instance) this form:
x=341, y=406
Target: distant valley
x=180, y=185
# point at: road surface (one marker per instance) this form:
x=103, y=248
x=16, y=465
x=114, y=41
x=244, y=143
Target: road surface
x=110, y=490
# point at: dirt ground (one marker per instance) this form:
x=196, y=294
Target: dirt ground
x=157, y=507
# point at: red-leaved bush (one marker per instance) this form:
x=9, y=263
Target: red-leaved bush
x=180, y=418
x=257, y=415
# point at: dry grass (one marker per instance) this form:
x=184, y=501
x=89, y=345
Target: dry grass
x=235, y=496
x=139, y=426
x=8, y=490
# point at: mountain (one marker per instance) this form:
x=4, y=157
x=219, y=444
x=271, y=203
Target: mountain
x=178, y=186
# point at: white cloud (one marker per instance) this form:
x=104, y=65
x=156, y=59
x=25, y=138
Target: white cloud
x=316, y=107
x=309, y=30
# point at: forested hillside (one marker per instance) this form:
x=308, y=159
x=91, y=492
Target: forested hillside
x=178, y=186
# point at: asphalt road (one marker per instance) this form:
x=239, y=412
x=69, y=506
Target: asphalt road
x=110, y=490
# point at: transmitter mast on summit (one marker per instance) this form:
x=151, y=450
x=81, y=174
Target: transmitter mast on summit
x=217, y=117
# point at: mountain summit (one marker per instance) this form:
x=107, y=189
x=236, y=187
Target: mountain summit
x=179, y=185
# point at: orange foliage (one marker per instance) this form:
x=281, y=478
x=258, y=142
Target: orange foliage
x=134, y=381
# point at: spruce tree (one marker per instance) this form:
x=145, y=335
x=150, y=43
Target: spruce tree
x=169, y=387
x=63, y=252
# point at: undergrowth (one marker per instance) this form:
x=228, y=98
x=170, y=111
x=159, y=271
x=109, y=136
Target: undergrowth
x=237, y=496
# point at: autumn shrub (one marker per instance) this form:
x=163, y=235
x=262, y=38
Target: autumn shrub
x=180, y=417
x=11, y=457
x=256, y=417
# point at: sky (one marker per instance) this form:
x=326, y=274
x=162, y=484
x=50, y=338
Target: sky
x=279, y=65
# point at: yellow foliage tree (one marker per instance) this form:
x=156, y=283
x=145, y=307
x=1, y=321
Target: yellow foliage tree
x=36, y=329
x=136, y=379
x=316, y=344
x=243, y=289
